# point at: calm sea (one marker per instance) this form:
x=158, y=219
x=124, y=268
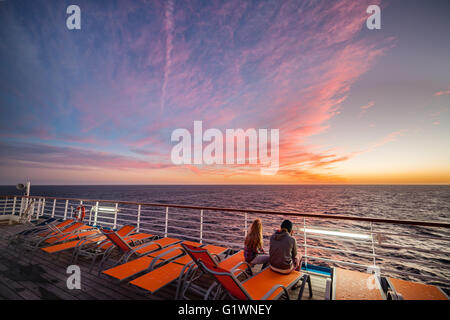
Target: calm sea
x=414, y=202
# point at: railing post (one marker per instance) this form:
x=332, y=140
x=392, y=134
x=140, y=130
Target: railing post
x=201, y=226
x=81, y=204
x=138, y=218
x=245, y=224
x=33, y=205
x=54, y=207
x=115, y=216
x=96, y=213
x=167, y=221
x=38, y=210
x=43, y=208
x=27, y=200
x=304, y=241
x=373, y=244
x=13, y=212
x=22, y=202
x=65, y=209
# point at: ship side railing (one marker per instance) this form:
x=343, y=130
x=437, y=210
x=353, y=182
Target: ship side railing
x=389, y=246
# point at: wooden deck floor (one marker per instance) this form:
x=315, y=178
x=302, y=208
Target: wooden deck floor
x=45, y=278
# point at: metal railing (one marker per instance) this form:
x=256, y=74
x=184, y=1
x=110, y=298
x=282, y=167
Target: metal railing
x=410, y=248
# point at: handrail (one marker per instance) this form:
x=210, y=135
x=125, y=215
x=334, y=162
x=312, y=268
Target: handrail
x=296, y=214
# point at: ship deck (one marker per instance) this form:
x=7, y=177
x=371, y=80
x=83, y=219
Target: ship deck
x=45, y=278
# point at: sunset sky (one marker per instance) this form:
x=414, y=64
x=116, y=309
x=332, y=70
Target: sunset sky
x=98, y=105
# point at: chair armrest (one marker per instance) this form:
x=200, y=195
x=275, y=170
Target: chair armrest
x=146, y=244
x=158, y=257
x=274, y=288
x=240, y=264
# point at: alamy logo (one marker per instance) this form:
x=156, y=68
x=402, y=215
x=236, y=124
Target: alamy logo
x=74, y=280
x=74, y=20
x=235, y=153
x=374, y=21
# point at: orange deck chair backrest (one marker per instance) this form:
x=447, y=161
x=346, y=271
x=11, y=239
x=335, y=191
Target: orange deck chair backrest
x=228, y=280
x=199, y=254
x=117, y=240
x=125, y=230
x=74, y=227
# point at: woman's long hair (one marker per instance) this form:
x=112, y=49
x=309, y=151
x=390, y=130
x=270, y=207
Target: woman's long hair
x=254, y=238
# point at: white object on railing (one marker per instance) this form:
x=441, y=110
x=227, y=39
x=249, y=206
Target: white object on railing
x=115, y=215
x=337, y=233
x=201, y=226
x=78, y=213
x=138, y=218
x=167, y=222
x=65, y=209
x=14, y=206
x=96, y=213
x=43, y=208
x=53, y=209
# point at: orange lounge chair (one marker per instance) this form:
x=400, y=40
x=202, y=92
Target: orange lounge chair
x=126, y=250
x=355, y=285
x=103, y=243
x=408, y=290
x=30, y=232
x=77, y=230
x=34, y=227
x=97, y=246
x=56, y=228
x=137, y=266
x=30, y=238
x=88, y=236
x=72, y=231
x=236, y=264
x=266, y=285
x=179, y=268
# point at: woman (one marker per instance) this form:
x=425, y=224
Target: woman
x=254, y=251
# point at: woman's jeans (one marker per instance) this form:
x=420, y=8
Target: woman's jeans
x=261, y=259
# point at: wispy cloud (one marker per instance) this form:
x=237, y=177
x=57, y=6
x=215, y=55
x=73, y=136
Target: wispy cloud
x=442, y=92
x=169, y=29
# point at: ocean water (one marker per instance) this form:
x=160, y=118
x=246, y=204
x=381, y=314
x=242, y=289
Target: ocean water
x=414, y=202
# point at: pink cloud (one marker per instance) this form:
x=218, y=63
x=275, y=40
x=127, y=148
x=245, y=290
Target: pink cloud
x=368, y=106
x=442, y=92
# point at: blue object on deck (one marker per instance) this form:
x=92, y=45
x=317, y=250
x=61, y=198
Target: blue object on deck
x=316, y=269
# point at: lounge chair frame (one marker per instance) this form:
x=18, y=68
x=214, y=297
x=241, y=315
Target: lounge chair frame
x=305, y=279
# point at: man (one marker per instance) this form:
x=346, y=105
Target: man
x=283, y=250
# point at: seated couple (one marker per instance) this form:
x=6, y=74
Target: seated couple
x=282, y=257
